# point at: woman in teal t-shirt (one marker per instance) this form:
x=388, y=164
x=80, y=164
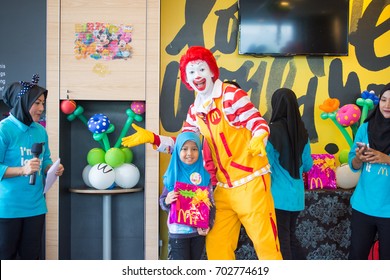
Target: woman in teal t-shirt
x=371, y=198
x=289, y=155
x=22, y=203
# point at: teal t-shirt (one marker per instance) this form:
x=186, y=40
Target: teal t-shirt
x=17, y=197
x=288, y=193
x=372, y=193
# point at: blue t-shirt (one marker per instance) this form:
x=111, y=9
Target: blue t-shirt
x=288, y=193
x=17, y=197
x=372, y=193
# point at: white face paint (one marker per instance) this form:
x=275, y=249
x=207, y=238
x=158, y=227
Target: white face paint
x=200, y=77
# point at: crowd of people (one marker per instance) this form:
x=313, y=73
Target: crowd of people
x=258, y=166
x=248, y=171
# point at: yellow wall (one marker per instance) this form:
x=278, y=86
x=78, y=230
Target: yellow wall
x=338, y=77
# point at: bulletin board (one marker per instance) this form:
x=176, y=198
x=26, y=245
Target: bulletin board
x=103, y=50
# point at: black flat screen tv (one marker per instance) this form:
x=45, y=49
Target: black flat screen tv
x=293, y=27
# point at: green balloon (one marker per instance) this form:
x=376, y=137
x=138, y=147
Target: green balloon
x=115, y=157
x=128, y=154
x=343, y=156
x=95, y=156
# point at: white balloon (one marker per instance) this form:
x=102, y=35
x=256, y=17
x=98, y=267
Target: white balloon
x=127, y=175
x=101, y=176
x=85, y=175
x=345, y=177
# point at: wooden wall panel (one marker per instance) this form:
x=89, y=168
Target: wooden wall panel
x=152, y=121
x=52, y=122
x=121, y=79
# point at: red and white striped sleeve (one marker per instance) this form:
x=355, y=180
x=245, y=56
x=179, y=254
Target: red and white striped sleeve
x=241, y=112
x=190, y=122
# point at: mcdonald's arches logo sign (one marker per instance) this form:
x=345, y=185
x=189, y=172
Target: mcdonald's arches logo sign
x=316, y=183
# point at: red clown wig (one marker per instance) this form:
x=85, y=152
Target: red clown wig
x=197, y=53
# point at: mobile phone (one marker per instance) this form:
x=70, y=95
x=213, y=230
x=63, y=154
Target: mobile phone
x=362, y=145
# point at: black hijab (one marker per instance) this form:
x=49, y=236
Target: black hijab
x=379, y=128
x=20, y=96
x=287, y=131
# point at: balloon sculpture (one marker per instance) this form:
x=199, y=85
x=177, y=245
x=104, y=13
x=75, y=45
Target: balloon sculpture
x=348, y=116
x=107, y=166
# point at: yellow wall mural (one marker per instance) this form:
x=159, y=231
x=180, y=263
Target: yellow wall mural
x=214, y=24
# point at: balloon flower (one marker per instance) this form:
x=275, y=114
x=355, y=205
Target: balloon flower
x=367, y=101
x=349, y=115
x=70, y=108
x=107, y=166
x=136, y=109
x=100, y=125
x=330, y=108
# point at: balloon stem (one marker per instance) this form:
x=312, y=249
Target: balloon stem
x=83, y=119
x=344, y=132
x=364, y=114
x=126, y=127
x=106, y=142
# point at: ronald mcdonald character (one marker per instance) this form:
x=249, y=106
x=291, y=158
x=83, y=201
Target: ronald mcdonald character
x=237, y=135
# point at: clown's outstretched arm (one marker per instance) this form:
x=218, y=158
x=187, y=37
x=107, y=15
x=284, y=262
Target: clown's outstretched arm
x=143, y=136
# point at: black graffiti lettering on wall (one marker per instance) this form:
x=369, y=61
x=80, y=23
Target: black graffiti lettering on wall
x=316, y=65
x=226, y=42
x=275, y=80
x=347, y=93
x=331, y=148
x=251, y=84
x=191, y=34
x=307, y=101
x=368, y=30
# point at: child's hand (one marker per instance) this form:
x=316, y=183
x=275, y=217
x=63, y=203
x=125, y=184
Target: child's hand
x=203, y=231
x=171, y=197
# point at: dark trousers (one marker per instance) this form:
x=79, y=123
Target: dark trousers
x=364, y=229
x=186, y=248
x=21, y=238
x=289, y=244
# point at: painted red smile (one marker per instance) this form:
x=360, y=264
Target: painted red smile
x=200, y=84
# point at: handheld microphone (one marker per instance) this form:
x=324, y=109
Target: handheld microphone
x=36, y=150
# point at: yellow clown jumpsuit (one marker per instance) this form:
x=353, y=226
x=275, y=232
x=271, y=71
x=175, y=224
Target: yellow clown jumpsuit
x=243, y=194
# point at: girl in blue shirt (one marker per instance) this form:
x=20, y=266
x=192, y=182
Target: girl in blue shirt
x=371, y=198
x=23, y=205
x=289, y=154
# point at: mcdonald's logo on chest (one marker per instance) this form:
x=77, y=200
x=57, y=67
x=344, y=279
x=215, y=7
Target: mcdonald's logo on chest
x=215, y=116
x=383, y=171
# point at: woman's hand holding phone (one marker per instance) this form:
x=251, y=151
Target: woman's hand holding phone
x=362, y=145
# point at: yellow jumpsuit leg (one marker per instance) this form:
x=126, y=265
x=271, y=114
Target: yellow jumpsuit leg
x=221, y=241
x=252, y=205
x=258, y=217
